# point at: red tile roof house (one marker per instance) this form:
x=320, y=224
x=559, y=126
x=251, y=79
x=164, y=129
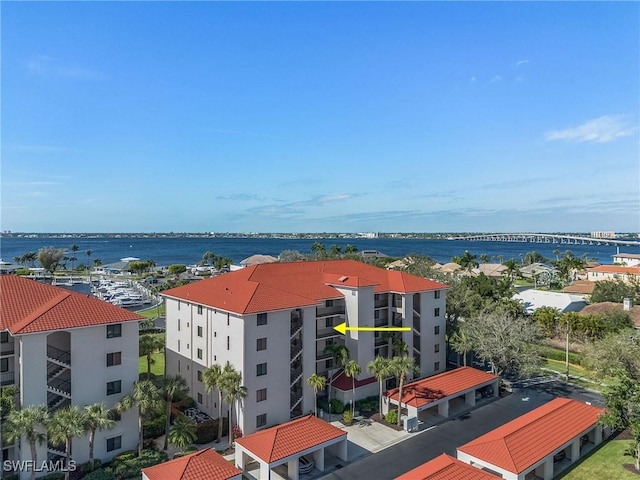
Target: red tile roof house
x=66, y=348
x=203, y=465
x=273, y=322
x=613, y=272
x=285, y=444
x=542, y=442
x=440, y=390
x=445, y=467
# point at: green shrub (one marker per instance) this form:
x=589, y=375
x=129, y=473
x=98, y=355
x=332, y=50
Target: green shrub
x=100, y=474
x=85, y=468
x=392, y=417
x=555, y=354
x=208, y=431
x=154, y=427
x=323, y=404
x=124, y=456
x=131, y=467
x=368, y=405
x=347, y=418
x=337, y=406
x=23, y=271
x=190, y=449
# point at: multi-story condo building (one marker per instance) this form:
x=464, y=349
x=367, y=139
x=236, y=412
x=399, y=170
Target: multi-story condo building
x=65, y=348
x=273, y=322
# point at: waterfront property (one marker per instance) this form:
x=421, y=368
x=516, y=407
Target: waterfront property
x=273, y=323
x=613, y=272
x=64, y=348
x=539, y=444
x=627, y=259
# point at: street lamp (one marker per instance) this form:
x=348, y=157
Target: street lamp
x=567, y=352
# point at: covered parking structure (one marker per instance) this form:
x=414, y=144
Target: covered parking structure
x=445, y=467
x=438, y=391
x=539, y=444
x=284, y=445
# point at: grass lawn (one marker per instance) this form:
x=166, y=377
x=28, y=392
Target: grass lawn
x=607, y=462
x=154, y=312
x=157, y=368
x=561, y=367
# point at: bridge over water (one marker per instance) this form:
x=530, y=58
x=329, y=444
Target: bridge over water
x=546, y=238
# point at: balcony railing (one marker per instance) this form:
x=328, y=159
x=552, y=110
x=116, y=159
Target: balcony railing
x=7, y=348
x=7, y=378
x=381, y=322
x=321, y=355
x=61, y=356
x=296, y=325
x=327, y=332
x=329, y=311
x=63, y=386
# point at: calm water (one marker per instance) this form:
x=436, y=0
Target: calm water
x=166, y=251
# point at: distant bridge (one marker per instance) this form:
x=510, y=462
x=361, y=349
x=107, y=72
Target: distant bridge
x=546, y=238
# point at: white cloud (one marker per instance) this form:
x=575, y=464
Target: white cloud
x=496, y=78
x=473, y=79
x=336, y=197
x=520, y=63
x=46, y=66
x=600, y=130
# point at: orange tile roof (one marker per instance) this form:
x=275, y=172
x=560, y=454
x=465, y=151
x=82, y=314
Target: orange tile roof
x=430, y=389
x=616, y=269
x=279, y=286
x=284, y=440
x=445, y=467
x=519, y=444
x=196, y=466
x=27, y=306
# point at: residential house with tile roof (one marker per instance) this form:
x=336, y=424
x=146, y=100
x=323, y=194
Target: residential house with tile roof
x=62, y=348
x=272, y=322
x=204, y=464
x=614, y=272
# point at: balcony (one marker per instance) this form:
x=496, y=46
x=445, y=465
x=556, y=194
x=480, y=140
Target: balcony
x=321, y=355
x=7, y=348
x=296, y=325
x=329, y=311
x=7, y=378
x=327, y=332
x=382, y=302
x=381, y=322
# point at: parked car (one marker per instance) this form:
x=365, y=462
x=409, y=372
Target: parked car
x=304, y=465
x=559, y=456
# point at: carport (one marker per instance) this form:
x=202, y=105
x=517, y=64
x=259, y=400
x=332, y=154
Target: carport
x=284, y=444
x=539, y=444
x=435, y=395
x=446, y=467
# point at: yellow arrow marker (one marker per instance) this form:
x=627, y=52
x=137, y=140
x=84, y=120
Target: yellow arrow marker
x=342, y=328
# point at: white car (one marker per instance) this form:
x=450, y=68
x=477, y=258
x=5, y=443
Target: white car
x=304, y=465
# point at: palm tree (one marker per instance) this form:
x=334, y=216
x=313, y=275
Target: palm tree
x=182, y=432
x=466, y=260
x=350, y=249
x=401, y=367
x=88, y=254
x=146, y=397
x=381, y=369
x=335, y=250
x=512, y=268
x=148, y=345
x=97, y=417
x=172, y=385
x=215, y=377
x=352, y=369
x=484, y=258
x=340, y=354
x=317, y=383
x=67, y=423
x=318, y=249
x=462, y=344
x=234, y=393
x=28, y=422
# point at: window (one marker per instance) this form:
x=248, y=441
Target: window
x=261, y=420
x=436, y=348
x=114, y=358
x=4, y=337
x=199, y=309
x=215, y=358
x=178, y=345
x=261, y=369
x=199, y=398
x=376, y=297
x=114, y=443
x=261, y=344
x=329, y=322
x=178, y=366
x=436, y=330
x=199, y=331
x=261, y=395
x=114, y=331
x=228, y=342
x=329, y=303
x=436, y=366
x=215, y=334
x=4, y=364
x=200, y=375
x=199, y=353
x=436, y=312
x=262, y=319
x=114, y=387
x=227, y=319
x=436, y=294
x=178, y=324
x=376, y=314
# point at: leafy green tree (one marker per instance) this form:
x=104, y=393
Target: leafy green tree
x=183, y=432
x=88, y=254
x=614, y=353
x=29, y=422
x=484, y=258
x=568, y=264
x=207, y=258
x=316, y=383
x=401, y=368
x=340, y=355
x=140, y=266
x=615, y=291
x=381, y=369
x=50, y=258
x=466, y=260
x=8, y=400
x=352, y=370
x=148, y=345
x=622, y=404
x=221, y=262
x=66, y=424
x=97, y=417
x=547, y=319
x=533, y=257
x=290, y=256
x=461, y=343
x=513, y=268
x=146, y=397
x=176, y=269
x=172, y=386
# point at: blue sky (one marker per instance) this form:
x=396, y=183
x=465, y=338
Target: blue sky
x=303, y=116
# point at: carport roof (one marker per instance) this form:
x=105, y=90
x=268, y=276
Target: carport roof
x=445, y=467
x=519, y=444
x=203, y=464
x=289, y=438
x=431, y=389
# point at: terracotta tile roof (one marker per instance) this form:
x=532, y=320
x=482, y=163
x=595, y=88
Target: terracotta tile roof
x=342, y=382
x=445, y=467
x=603, y=308
x=284, y=440
x=196, y=466
x=519, y=444
x=584, y=287
x=616, y=269
x=279, y=286
x=431, y=389
x=27, y=306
